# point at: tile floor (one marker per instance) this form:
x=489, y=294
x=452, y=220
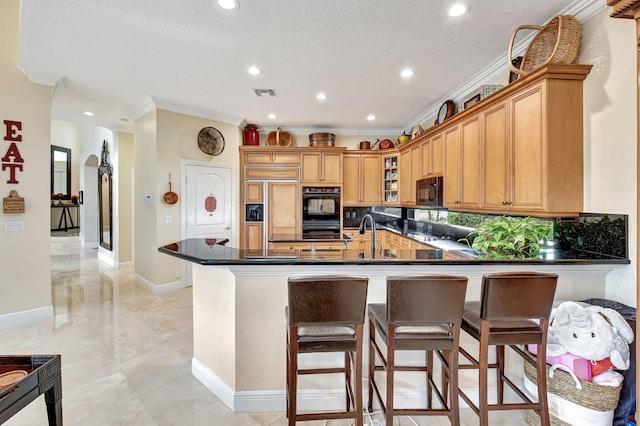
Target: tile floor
x=126, y=353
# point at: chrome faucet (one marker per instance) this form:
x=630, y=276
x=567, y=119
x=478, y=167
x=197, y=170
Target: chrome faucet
x=363, y=226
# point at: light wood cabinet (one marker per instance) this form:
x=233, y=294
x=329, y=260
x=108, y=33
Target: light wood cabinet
x=437, y=155
x=533, y=152
x=322, y=168
x=254, y=192
x=520, y=151
x=269, y=155
x=432, y=156
x=254, y=236
x=462, y=165
x=410, y=171
x=283, y=211
x=451, y=167
x=360, y=241
x=361, y=185
x=416, y=171
x=405, y=177
x=495, y=161
x=271, y=172
x=280, y=246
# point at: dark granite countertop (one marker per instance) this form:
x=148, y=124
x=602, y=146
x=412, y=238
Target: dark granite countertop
x=198, y=251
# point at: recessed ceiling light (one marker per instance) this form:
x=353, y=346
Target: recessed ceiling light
x=88, y=113
x=272, y=116
x=255, y=71
x=321, y=96
x=371, y=117
x=406, y=73
x=458, y=9
x=228, y=4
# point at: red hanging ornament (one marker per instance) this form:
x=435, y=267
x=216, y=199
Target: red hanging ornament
x=210, y=204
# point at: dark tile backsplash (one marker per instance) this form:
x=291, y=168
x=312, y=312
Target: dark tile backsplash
x=595, y=233
x=591, y=233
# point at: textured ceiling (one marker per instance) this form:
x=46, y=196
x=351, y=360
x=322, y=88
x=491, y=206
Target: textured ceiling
x=113, y=56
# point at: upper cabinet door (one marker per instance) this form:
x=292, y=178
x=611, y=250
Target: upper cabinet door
x=351, y=185
x=527, y=152
x=254, y=192
x=451, y=140
x=437, y=155
x=470, y=164
x=332, y=168
x=370, y=179
x=495, y=161
x=322, y=168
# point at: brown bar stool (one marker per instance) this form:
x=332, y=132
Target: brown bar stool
x=505, y=317
x=326, y=314
x=421, y=313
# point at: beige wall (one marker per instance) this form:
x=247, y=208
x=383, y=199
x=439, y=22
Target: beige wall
x=125, y=193
x=610, y=140
x=164, y=138
x=25, y=261
x=145, y=166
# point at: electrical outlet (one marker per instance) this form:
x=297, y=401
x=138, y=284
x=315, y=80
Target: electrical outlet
x=167, y=220
x=178, y=273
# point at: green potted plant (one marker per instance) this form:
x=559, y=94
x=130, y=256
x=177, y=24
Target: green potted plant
x=506, y=237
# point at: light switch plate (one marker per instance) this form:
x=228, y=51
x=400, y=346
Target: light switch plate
x=14, y=226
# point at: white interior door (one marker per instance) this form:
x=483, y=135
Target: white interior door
x=209, y=202
x=207, y=205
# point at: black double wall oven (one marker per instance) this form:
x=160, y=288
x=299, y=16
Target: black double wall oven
x=320, y=212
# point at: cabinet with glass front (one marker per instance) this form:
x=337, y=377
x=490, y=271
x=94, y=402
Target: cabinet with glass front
x=390, y=179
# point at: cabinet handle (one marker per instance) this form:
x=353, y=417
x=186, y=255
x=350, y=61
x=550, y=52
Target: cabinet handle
x=504, y=203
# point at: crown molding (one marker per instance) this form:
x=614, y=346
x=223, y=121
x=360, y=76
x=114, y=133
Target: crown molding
x=44, y=79
x=57, y=87
x=581, y=9
x=152, y=102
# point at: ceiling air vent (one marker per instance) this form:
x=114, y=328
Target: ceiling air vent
x=265, y=92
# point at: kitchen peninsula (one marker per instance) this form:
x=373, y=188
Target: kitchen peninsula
x=239, y=298
x=239, y=294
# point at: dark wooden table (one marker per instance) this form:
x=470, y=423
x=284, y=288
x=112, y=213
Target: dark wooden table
x=67, y=217
x=44, y=378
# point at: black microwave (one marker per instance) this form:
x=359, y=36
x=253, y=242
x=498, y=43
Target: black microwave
x=429, y=191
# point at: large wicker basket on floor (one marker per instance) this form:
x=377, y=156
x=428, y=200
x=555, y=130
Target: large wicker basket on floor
x=557, y=42
x=564, y=396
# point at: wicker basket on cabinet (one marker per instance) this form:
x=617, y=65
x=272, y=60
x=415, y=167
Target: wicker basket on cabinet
x=557, y=42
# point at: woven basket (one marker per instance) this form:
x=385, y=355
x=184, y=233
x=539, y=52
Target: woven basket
x=592, y=395
x=557, y=42
x=10, y=378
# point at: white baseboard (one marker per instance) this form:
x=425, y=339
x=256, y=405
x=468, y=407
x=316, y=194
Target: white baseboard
x=90, y=245
x=25, y=317
x=308, y=400
x=212, y=382
x=124, y=265
x=158, y=288
x=106, y=258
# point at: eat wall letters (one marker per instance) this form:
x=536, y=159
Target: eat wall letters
x=12, y=159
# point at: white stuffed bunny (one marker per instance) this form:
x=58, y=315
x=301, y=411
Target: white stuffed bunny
x=591, y=332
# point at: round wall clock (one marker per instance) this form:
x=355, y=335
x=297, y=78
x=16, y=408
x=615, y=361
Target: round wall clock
x=446, y=111
x=210, y=141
